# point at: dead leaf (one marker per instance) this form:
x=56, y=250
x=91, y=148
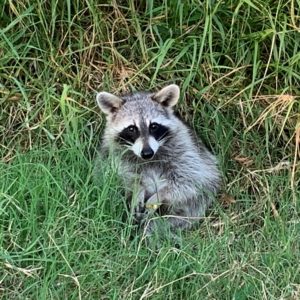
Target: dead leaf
x=243, y=160
x=274, y=210
x=227, y=199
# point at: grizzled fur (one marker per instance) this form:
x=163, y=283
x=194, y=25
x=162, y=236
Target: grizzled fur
x=168, y=170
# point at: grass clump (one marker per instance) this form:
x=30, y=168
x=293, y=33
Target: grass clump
x=62, y=234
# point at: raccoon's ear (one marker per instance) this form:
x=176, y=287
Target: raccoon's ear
x=108, y=103
x=168, y=96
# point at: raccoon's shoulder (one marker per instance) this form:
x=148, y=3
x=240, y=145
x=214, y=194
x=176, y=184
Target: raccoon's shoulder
x=192, y=136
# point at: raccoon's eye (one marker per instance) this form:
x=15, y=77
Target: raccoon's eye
x=128, y=135
x=153, y=126
x=158, y=131
x=132, y=128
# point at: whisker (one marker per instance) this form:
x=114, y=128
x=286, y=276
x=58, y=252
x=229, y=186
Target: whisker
x=165, y=135
x=127, y=143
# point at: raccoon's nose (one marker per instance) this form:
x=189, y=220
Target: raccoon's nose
x=147, y=153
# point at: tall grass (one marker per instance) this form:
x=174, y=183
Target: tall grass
x=62, y=234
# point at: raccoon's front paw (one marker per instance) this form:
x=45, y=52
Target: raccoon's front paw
x=140, y=214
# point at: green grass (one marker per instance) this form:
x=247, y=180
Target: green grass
x=62, y=234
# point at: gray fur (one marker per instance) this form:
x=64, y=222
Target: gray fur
x=182, y=177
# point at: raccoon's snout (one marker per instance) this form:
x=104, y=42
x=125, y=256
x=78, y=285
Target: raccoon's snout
x=147, y=153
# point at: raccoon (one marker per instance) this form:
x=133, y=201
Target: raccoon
x=167, y=168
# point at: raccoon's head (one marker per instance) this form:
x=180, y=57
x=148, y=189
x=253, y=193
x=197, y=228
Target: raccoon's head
x=141, y=122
